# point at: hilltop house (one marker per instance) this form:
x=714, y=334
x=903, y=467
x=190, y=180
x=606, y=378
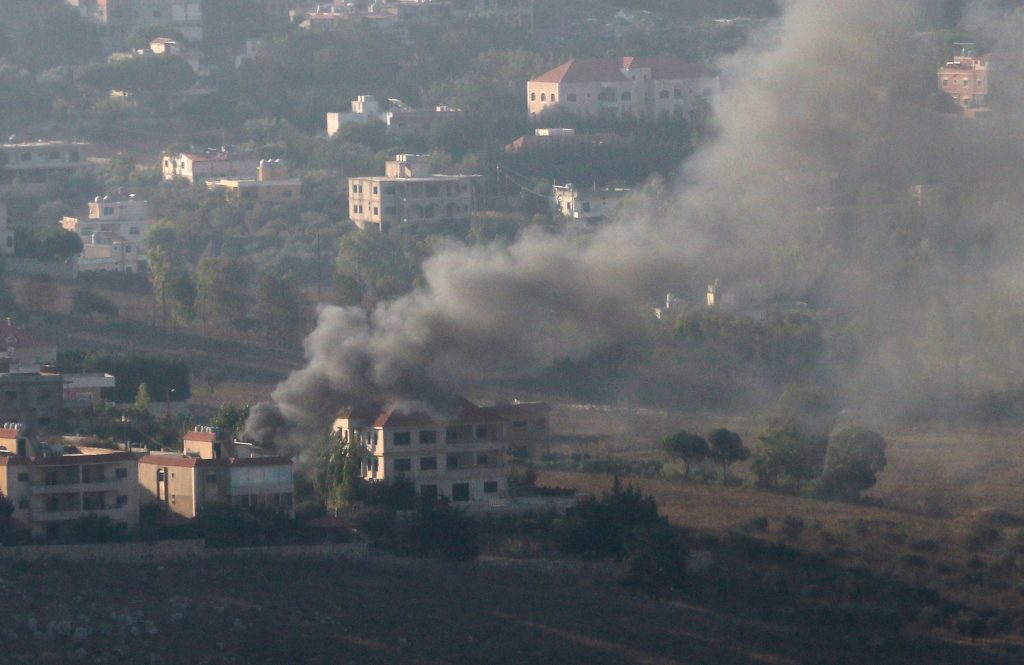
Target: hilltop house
x=113, y=235
x=200, y=167
x=407, y=197
x=28, y=169
x=658, y=87
x=273, y=184
x=966, y=80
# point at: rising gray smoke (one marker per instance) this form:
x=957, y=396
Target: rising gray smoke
x=818, y=110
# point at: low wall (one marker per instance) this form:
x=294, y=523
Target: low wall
x=170, y=550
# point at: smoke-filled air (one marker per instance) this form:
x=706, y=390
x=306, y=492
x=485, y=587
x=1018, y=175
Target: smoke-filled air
x=834, y=181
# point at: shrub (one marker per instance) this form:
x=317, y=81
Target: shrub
x=90, y=303
x=924, y=545
x=915, y=560
x=437, y=529
x=759, y=523
x=93, y=528
x=981, y=535
x=792, y=527
x=601, y=527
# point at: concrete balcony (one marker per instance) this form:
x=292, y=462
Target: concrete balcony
x=106, y=485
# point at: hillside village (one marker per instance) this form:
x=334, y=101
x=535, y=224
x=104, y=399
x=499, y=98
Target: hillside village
x=591, y=290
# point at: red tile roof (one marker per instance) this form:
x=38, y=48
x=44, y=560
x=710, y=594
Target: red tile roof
x=10, y=433
x=608, y=70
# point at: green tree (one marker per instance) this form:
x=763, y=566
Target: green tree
x=338, y=479
x=181, y=292
x=788, y=454
x=46, y=243
x=726, y=449
x=278, y=306
x=221, y=285
x=230, y=418
x=691, y=448
x=160, y=267
x=142, y=399
x=381, y=265
x=853, y=460
x=89, y=303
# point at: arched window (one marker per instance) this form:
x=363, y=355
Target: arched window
x=543, y=97
x=533, y=96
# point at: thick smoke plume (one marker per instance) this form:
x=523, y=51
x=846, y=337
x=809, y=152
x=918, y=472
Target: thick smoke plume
x=826, y=118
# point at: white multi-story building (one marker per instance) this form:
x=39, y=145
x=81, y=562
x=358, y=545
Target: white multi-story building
x=408, y=198
x=400, y=119
x=587, y=205
x=29, y=169
x=658, y=87
x=113, y=235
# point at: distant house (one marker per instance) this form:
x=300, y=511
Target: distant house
x=966, y=80
x=214, y=469
x=407, y=197
x=400, y=120
x=113, y=235
x=273, y=184
x=29, y=169
x=120, y=17
x=588, y=205
x=550, y=137
x=657, y=87
x=200, y=167
x=460, y=455
x=51, y=486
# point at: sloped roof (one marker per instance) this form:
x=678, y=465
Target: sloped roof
x=602, y=70
x=462, y=412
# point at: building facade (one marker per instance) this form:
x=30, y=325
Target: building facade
x=461, y=457
x=200, y=167
x=590, y=206
x=966, y=79
x=51, y=487
x=6, y=234
x=406, y=198
x=113, y=235
x=273, y=184
x=120, y=17
x=33, y=398
x=29, y=169
x=209, y=472
x=658, y=87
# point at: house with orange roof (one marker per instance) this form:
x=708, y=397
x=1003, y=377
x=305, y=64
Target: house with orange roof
x=458, y=452
x=655, y=87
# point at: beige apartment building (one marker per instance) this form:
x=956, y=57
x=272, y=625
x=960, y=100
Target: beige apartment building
x=966, y=79
x=51, y=487
x=658, y=87
x=29, y=169
x=113, y=235
x=215, y=469
x=200, y=167
x=273, y=184
x=407, y=198
x=461, y=456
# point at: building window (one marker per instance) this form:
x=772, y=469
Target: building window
x=481, y=432
x=533, y=96
x=451, y=435
x=121, y=473
x=981, y=82
x=571, y=97
x=554, y=97
x=677, y=93
x=491, y=487
x=22, y=477
x=375, y=189
x=403, y=464
x=519, y=426
x=460, y=491
x=122, y=500
x=23, y=503
x=428, y=463
x=451, y=462
x=402, y=438
x=482, y=459
x=428, y=436
x=945, y=82
x=211, y=477
x=663, y=94
x=967, y=83
x=108, y=210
